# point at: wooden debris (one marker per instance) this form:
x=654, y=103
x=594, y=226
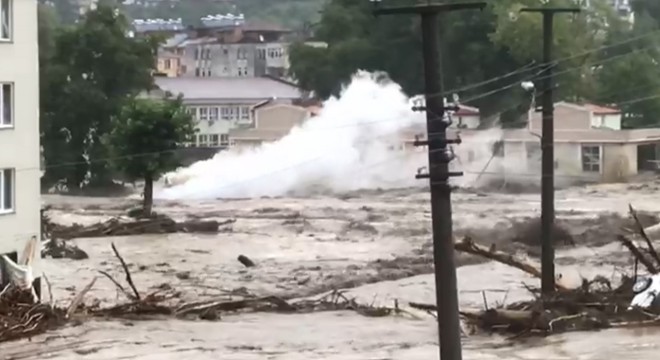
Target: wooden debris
x=129, y=279
x=60, y=249
x=470, y=247
x=634, y=250
x=642, y=233
x=121, y=226
x=21, y=317
x=593, y=305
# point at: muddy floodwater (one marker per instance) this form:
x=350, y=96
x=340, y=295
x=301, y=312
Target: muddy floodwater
x=376, y=244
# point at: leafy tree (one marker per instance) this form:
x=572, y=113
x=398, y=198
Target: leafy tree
x=93, y=70
x=358, y=40
x=144, y=140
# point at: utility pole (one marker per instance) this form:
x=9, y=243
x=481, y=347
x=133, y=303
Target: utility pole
x=439, y=156
x=547, y=149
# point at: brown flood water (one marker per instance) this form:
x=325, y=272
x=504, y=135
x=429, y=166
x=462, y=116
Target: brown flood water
x=326, y=250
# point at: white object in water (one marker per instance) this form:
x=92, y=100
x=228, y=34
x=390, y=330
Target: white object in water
x=646, y=291
x=20, y=274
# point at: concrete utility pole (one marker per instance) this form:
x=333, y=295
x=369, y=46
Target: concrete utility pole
x=439, y=158
x=547, y=148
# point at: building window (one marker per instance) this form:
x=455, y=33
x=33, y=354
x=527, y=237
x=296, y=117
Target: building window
x=196, y=53
x=203, y=140
x=208, y=54
x=225, y=113
x=6, y=105
x=168, y=64
x=203, y=114
x=6, y=190
x=214, y=140
x=591, y=158
x=224, y=139
x=213, y=114
x=197, y=72
x=192, y=112
x=245, y=113
x=5, y=20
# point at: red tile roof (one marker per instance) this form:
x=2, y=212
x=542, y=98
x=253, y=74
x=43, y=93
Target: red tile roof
x=602, y=110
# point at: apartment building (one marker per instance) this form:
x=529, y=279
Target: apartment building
x=19, y=129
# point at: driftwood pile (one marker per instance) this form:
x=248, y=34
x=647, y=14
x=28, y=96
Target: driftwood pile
x=596, y=304
x=21, y=317
x=126, y=226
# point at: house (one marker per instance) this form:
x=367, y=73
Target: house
x=272, y=121
x=570, y=116
x=229, y=46
x=466, y=117
x=221, y=104
x=589, y=146
x=20, y=174
x=168, y=64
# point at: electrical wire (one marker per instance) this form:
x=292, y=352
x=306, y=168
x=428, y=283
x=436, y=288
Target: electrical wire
x=361, y=124
x=542, y=66
x=107, y=159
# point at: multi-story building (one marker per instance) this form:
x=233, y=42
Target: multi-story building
x=235, y=50
x=19, y=128
x=219, y=105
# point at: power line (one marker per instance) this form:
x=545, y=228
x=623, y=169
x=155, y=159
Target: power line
x=108, y=159
x=529, y=67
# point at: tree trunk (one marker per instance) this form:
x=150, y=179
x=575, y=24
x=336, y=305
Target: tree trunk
x=148, y=195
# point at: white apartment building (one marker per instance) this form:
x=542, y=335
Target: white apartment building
x=19, y=129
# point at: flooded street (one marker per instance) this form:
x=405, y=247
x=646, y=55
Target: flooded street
x=376, y=244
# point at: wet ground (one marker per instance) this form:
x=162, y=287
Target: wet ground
x=374, y=243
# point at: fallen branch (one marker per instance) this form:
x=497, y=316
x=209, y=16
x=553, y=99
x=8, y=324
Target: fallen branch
x=77, y=300
x=470, y=247
x=129, y=279
x=634, y=250
x=642, y=233
x=117, y=226
x=118, y=285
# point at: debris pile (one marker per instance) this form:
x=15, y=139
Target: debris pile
x=122, y=226
x=596, y=304
x=21, y=316
x=60, y=249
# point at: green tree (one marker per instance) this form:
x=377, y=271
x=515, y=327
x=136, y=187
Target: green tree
x=144, y=140
x=358, y=40
x=93, y=70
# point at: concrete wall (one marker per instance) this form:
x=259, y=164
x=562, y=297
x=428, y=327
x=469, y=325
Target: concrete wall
x=217, y=120
x=467, y=121
x=220, y=60
x=19, y=146
x=567, y=117
x=610, y=121
x=279, y=117
x=618, y=162
x=169, y=65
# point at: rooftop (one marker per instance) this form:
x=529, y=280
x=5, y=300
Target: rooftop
x=258, y=89
x=602, y=110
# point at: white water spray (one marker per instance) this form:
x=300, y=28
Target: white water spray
x=353, y=144
x=346, y=147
